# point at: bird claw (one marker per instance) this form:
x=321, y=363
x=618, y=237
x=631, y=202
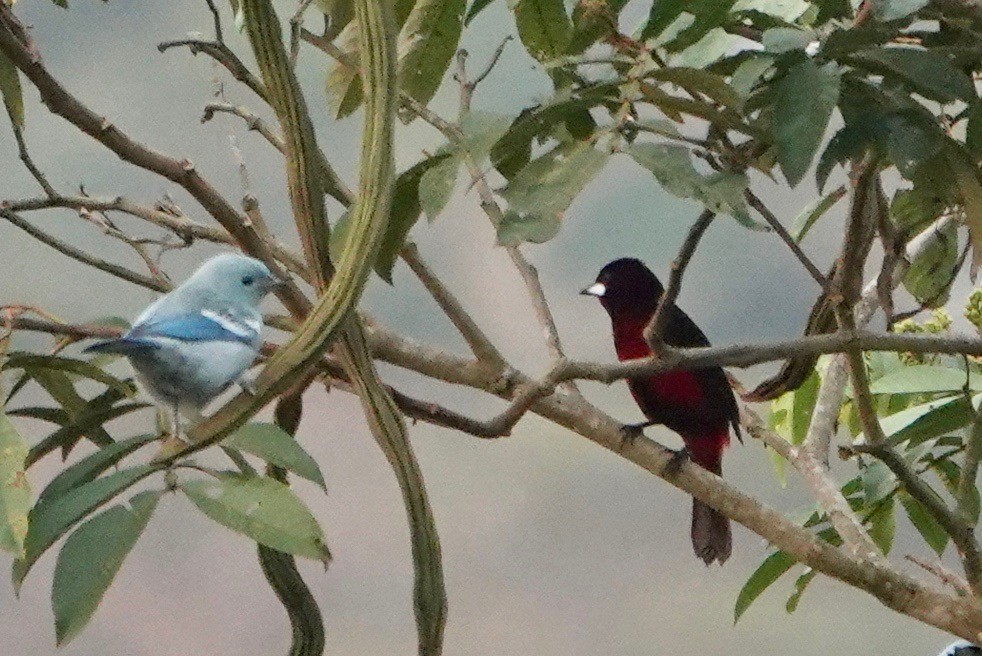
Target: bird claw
x=674, y=465
x=247, y=386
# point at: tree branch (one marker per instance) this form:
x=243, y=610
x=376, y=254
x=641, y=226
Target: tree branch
x=653, y=332
x=222, y=54
x=25, y=157
x=779, y=228
x=252, y=121
x=961, y=533
x=154, y=283
x=478, y=342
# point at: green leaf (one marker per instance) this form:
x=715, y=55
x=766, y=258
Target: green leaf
x=814, y=211
x=662, y=14
x=749, y=72
x=277, y=447
x=926, y=379
x=263, y=509
x=49, y=521
x=973, y=131
x=90, y=559
x=402, y=217
x=878, y=482
x=88, y=423
x=933, y=271
x=516, y=228
x=591, y=21
x=710, y=48
x=15, y=491
x=343, y=85
x=927, y=420
x=773, y=567
x=672, y=167
x=784, y=39
x=429, y=40
x=970, y=190
x=791, y=413
x=695, y=80
x=549, y=184
x=803, y=104
x=512, y=151
x=929, y=73
x=436, y=186
x=13, y=98
x=889, y=10
x=786, y=10
x=709, y=15
x=88, y=468
x=929, y=528
x=543, y=27
x=481, y=131
x=799, y=589
x=31, y=361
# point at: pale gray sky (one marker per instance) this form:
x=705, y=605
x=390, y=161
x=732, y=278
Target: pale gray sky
x=552, y=546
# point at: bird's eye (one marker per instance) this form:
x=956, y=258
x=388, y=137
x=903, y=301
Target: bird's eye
x=247, y=281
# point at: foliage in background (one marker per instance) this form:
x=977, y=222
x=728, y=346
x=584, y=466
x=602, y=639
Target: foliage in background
x=706, y=95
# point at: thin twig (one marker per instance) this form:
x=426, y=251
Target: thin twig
x=478, y=342
x=529, y=274
x=472, y=85
x=296, y=22
x=217, y=19
x=252, y=121
x=654, y=331
x=786, y=237
x=961, y=533
x=943, y=573
x=224, y=56
x=29, y=163
x=176, y=223
x=83, y=257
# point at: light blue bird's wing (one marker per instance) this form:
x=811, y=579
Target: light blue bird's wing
x=203, y=326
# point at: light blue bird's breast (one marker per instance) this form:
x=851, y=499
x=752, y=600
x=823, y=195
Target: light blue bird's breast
x=191, y=374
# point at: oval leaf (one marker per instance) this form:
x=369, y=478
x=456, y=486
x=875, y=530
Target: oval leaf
x=49, y=521
x=90, y=559
x=263, y=509
x=925, y=379
x=773, y=567
x=803, y=104
x=15, y=492
x=91, y=466
x=277, y=447
x=931, y=74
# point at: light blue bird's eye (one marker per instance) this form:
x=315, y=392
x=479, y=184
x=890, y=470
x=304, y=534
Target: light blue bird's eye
x=248, y=280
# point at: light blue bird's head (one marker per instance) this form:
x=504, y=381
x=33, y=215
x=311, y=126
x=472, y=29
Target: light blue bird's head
x=231, y=280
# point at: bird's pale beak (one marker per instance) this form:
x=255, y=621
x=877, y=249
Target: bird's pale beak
x=596, y=289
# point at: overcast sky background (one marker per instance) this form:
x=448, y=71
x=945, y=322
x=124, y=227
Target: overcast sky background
x=551, y=545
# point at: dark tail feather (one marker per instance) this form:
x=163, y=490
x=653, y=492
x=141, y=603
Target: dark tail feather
x=711, y=538
x=117, y=346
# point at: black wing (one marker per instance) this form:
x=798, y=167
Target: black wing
x=682, y=331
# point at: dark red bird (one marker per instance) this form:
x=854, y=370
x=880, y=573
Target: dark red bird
x=698, y=405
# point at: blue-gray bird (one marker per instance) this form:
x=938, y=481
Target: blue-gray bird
x=195, y=342
x=961, y=648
